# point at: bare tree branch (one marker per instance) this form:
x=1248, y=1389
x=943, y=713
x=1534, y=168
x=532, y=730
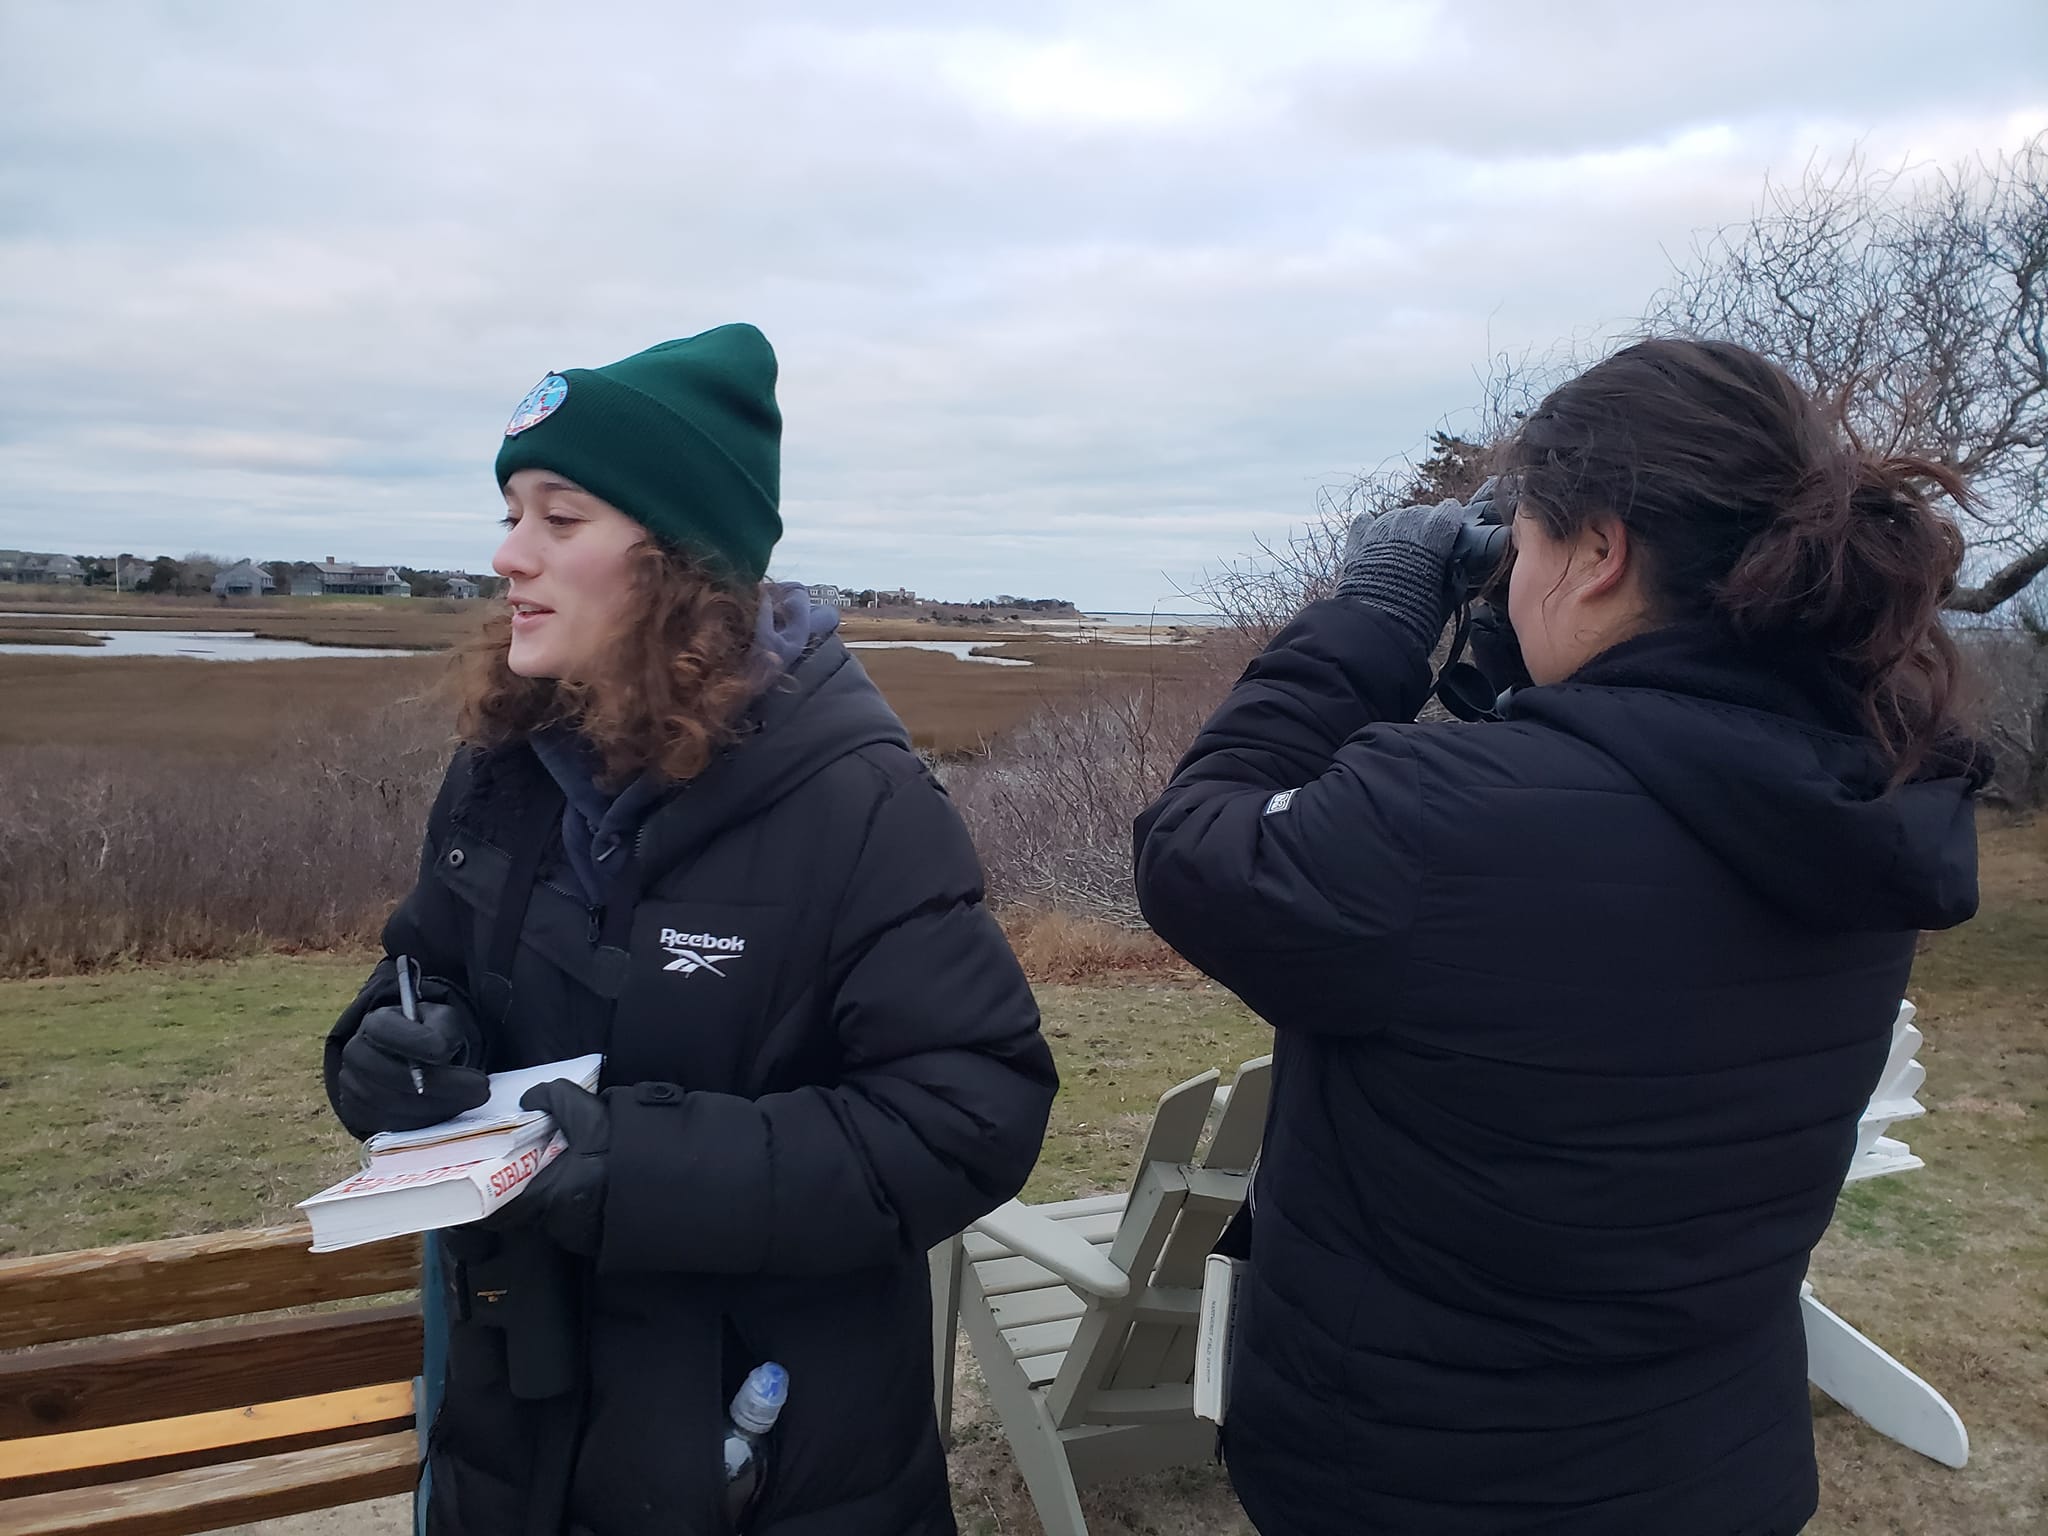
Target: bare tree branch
x=1916, y=306
x=2003, y=585
x=1255, y=596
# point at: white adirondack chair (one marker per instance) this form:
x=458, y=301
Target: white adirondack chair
x=1840, y=1361
x=1082, y=1313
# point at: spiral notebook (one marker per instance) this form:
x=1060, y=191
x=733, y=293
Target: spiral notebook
x=494, y=1128
x=449, y=1174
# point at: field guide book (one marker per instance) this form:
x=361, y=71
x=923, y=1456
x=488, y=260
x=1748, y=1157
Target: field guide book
x=448, y=1174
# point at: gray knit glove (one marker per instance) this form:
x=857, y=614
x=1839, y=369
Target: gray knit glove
x=1400, y=563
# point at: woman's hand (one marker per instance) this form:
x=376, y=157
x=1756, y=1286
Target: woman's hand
x=567, y=1199
x=399, y=1074
x=1400, y=563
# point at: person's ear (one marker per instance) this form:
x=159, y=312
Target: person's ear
x=1603, y=558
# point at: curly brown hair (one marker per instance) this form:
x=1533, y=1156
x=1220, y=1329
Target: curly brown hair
x=670, y=695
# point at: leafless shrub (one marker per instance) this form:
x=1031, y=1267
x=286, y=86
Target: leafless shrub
x=1050, y=804
x=108, y=856
x=2010, y=667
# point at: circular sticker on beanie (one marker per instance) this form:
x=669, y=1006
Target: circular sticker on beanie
x=541, y=402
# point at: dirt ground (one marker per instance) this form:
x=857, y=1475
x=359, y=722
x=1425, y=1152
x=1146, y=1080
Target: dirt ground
x=381, y=1517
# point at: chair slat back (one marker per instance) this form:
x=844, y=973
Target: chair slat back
x=1098, y=1344
x=1157, y=1192
x=1177, y=1123
x=1890, y=1102
x=1163, y=1354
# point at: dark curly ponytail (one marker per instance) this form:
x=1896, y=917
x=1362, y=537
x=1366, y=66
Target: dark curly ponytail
x=1751, y=508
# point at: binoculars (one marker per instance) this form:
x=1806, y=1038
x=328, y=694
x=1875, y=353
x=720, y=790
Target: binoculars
x=521, y=1283
x=1483, y=542
x=1478, y=688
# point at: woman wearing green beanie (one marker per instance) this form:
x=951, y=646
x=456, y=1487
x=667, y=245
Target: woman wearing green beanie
x=686, y=831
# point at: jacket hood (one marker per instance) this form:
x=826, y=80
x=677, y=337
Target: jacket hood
x=1758, y=754
x=787, y=625
x=787, y=628
x=822, y=709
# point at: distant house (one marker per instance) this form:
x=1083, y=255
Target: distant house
x=825, y=595
x=462, y=586
x=26, y=567
x=900, y=597
x=245, y=578
x=339, y=579
x=306, y=581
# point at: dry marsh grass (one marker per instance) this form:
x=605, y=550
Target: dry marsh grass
x=164, y=808
x=168, y=709
x=949, y=706
x=952, y=714
x=402, y=623
x=35, y=632
x=1059, y=947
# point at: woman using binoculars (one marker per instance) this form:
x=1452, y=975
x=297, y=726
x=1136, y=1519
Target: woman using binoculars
x=1576, y=1012
x=686, y=831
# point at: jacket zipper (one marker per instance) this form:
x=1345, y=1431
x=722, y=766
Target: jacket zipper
x=594, y=912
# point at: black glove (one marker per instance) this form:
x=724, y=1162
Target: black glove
x=398, y=1074
x=567, y=1200
x=1400, y=563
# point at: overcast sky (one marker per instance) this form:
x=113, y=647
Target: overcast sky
x=1069, y=299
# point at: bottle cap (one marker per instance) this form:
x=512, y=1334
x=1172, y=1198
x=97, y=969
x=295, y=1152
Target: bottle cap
x=759, y=1401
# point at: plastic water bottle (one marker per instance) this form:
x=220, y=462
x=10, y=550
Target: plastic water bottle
x=755, y=1407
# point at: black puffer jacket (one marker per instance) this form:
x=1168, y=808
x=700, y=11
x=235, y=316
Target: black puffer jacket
x=855, y=1074
x=1576, y=1014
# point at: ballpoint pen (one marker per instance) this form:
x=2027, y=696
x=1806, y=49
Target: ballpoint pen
x=408, y=1004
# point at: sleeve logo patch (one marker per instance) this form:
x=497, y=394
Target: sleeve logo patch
x=1280, y=802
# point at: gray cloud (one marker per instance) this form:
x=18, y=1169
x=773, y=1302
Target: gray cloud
x=1074, y=301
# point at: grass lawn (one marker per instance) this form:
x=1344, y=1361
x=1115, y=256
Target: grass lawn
x=160, y=1101
x=152, y=1102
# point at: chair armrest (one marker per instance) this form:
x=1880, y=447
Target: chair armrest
x=1044, y=1241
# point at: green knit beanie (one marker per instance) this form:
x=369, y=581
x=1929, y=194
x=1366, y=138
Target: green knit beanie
x=684, y=438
